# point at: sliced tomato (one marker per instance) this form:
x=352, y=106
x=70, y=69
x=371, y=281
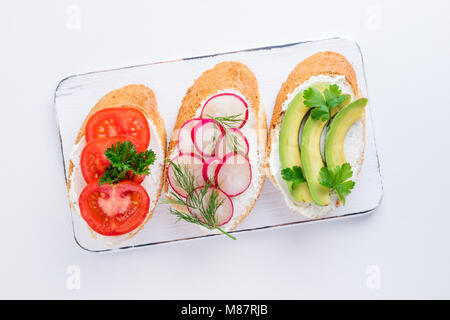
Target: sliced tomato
x=116, y=209
x=111, y=122
x=93, y=159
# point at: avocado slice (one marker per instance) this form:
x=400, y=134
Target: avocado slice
x=334, y=145
x=289, y=149
x=311, y=156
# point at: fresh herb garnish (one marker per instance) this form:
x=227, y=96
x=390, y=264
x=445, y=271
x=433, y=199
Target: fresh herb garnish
x=322, y=104
x=293, y=174
x=207, y=209
x=233, y=142
x=214, y=139
x=337, y=179
x=126, y=162
x=229, y=122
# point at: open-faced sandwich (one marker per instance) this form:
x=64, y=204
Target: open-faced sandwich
x=116, y=169
x=217, y=151
x=316, y=137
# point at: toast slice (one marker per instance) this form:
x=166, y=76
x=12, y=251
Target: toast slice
x=234, y=77
x=143, y=99
x=320, y=67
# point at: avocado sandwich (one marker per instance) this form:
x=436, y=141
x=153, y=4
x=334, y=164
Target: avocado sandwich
x=317, y=135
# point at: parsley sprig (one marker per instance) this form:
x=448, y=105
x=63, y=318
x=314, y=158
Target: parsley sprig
x=200, y=199
x=293, y=174
x=126, y=162
x=322, y=104
x=337, y=179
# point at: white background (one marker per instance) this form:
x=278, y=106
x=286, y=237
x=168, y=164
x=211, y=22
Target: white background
x=406, y=241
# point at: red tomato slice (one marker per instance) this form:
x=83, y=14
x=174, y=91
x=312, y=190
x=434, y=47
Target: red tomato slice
x=93, y=159
x=111, y=122
x=112, y=210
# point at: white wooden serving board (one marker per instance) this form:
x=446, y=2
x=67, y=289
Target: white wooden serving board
x=76, y=95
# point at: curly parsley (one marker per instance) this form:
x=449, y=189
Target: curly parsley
x=322, y=104
x=294, y=174
x=126, y=162
x=337, y=179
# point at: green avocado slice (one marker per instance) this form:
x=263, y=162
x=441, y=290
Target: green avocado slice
x=288, y=144
x=334, y=144
x=311, y=156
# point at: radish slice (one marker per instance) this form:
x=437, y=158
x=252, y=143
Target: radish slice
x=223, y=213
x=226, y=105
x=185, y=143
x=209, y=169
x=234, y=174
x=195, y=165
x=234, y=140
x=205, y=135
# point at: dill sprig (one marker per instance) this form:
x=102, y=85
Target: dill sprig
x=227, y=123
x=185, y=180
x=233, y=141
x=215, y=138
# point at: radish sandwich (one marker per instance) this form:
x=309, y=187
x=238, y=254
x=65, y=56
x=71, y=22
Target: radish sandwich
x=217, y=151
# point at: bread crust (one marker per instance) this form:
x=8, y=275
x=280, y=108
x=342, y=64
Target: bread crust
x=223, y=76
x=322, y=63
x=131, y=96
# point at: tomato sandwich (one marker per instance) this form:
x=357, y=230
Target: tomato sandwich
x=116, y=169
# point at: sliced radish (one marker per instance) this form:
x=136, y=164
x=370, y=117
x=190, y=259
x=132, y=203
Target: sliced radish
x=223, y=213
x=189, y=161
x=226, y=105
x=234, y=140
x=205, y=135
x=209, y=169
x=234, y=174
x=185, y=143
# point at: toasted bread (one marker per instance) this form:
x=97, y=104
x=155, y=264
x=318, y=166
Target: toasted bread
x=224, y=76
x=322, y=63
x=143, y=99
